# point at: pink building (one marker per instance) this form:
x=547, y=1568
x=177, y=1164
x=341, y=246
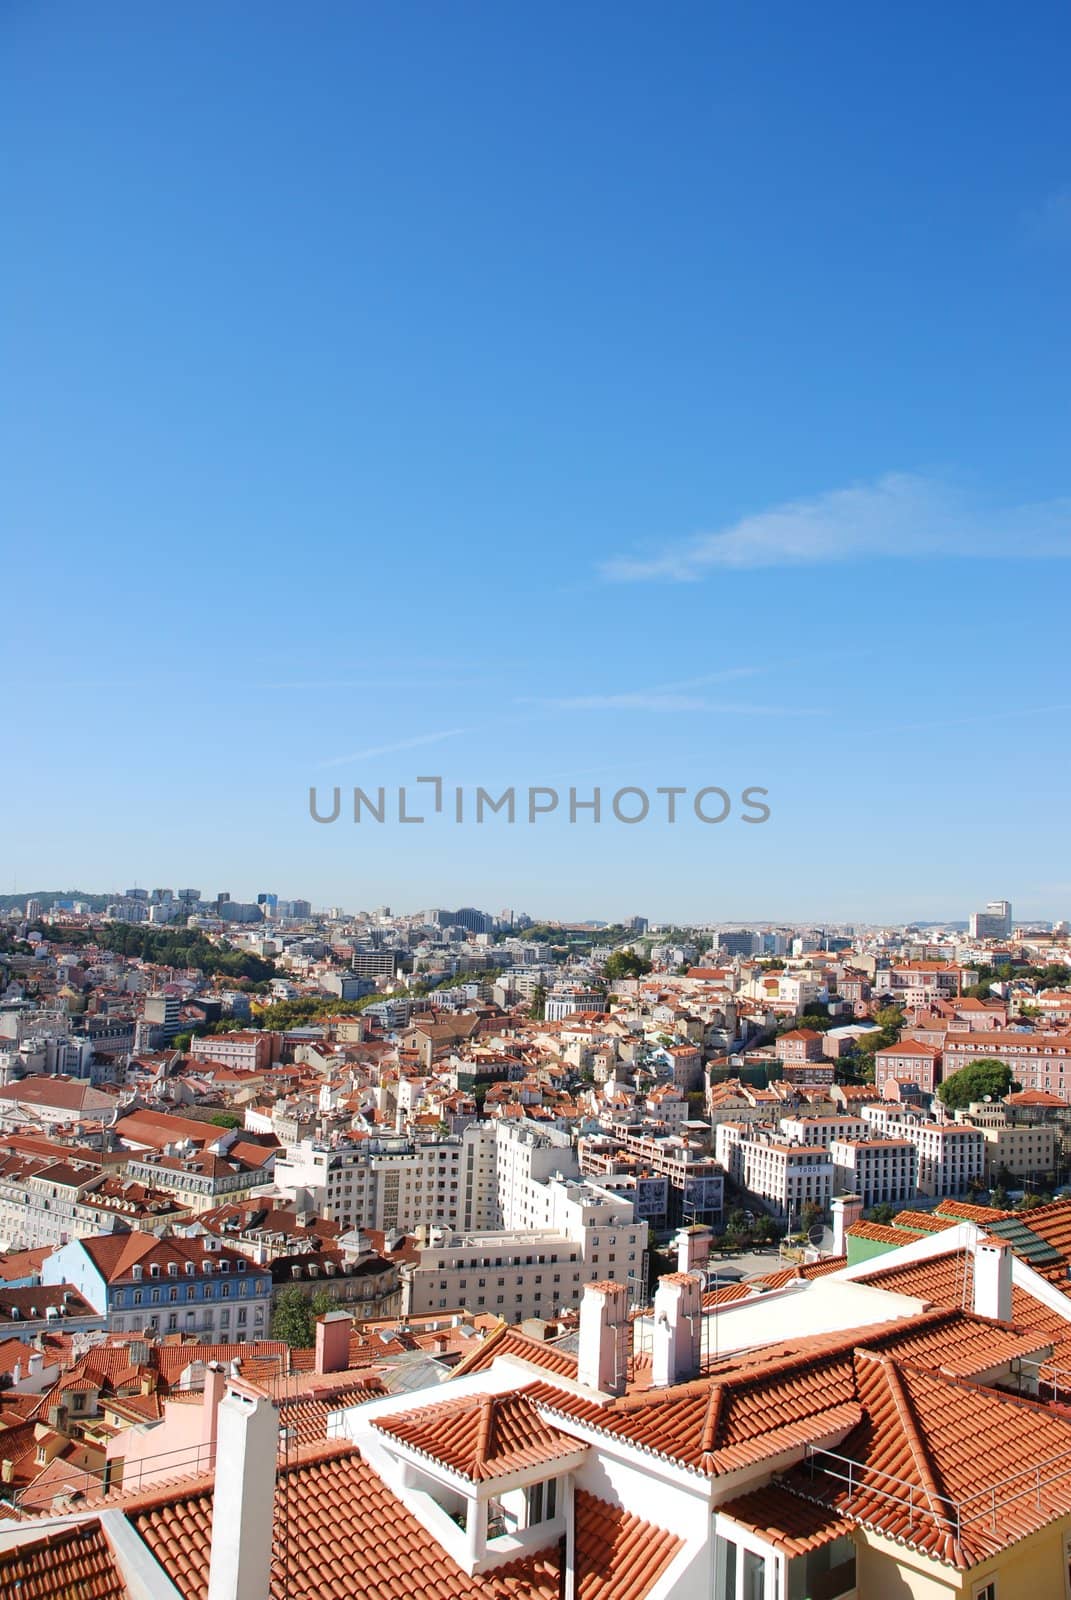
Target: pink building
x=910, y=1061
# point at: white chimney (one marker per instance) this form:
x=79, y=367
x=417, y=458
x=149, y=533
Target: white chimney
x=847, y=1210
x=243, y=1501
x=693, y=1248
x=603, y=1351
x=993, y=1279
x=678, y=1323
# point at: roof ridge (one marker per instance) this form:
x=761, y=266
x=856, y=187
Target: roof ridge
x=484, y=1431
x=931, y=1481
x=712, y=1419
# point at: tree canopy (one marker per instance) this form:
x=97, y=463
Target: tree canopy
x=183, y=947
x=294, y=1317
x=625, y=964
x=986, y=1076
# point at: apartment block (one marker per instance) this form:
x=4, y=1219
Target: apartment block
x=879, y=1171
x=591, y=1235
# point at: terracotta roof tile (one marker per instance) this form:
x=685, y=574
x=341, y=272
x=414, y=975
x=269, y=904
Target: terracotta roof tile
x=75, y=1561
x=349, y=1535
x=920, y=1476
x=791, y=1524
x=480, y=1436
x=506, y=1341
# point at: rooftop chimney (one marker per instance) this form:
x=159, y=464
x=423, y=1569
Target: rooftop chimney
x=847, y=1210
x=215, y=1387
x=678, y=1322
x=693, y=1248
x=333, y=1342
x=243, y=1502
x=604, y=1331
x=993, y=1279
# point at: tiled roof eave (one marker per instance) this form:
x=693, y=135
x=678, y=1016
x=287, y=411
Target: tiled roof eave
x=622, y=1438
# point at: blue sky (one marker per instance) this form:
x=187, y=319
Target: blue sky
x=598, y=395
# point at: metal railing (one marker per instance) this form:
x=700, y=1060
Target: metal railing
x=953, y=1514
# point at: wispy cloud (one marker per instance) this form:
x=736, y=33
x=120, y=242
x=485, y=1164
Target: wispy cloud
x=1051, y=221
x=399, y=744
x=670, y=702
x=901, y=516
x=660, y=697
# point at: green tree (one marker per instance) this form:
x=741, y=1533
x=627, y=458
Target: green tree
x=537, y=1010
x=810, y=1216
x=625, y=964
x=880, y=1213
x=225, y=1119
x=986, y=1076
x=294, y=1317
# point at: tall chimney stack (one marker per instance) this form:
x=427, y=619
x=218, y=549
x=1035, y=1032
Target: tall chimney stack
x=678, y=1326
x=243, y=1501
x=602, y=1357
x=693, y=1248
x=333, y=1341
x=847, y=1210
x=993, y=1279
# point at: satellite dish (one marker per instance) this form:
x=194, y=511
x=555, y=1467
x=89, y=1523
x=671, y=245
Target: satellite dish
x=815, y=1234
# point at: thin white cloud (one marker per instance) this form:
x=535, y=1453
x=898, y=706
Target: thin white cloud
x=901, y=516
x=669, y=702
x=1051, y=221
x=399, y=744
x=660, y=697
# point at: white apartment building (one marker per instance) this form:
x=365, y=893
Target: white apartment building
x=822, y=1130
x=880, y=1171
x=392, y=1183
x=785, y=1175
x=951, y=1157
x=788, y=1176
x=589, y=1236
x=525, y=1160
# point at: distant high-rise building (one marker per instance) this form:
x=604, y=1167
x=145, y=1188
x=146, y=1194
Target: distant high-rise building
x=222, y=898
x=268, y=903
x=995, y=922
x=189, y=897
x=473, y=921
x=638, y=924
x=161, y=1011
x=739, y=943
x=33, y=910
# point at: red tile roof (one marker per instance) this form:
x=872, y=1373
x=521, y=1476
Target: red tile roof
x=506, y=1341
x=791, y=1524
x=480, y=1436
x=920, y=1476
x=71, y=1564
x=754, y=1404
x=349, y=1535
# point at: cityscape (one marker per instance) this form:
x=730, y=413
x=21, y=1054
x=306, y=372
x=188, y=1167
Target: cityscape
x=557, y=520
x=452, y=1224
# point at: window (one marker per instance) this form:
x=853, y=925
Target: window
x=724, y=1569
x=988, y=1591
x=754, y=1576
